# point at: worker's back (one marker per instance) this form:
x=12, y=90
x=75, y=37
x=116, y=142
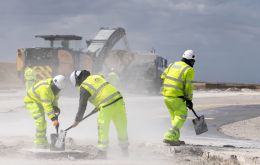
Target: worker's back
x=175, y=77
x=102, y=92
x=40, y=90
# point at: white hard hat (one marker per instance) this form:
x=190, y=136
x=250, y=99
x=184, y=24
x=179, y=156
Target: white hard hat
x=73, y=76
x=188, y=54
x=59, y=81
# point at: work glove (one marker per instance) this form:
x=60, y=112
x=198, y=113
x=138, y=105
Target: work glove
x=55, y=123
x=56, y=110
x=189, y=104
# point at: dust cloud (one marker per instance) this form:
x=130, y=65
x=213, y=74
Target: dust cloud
x=18, y=131
x=148, y=119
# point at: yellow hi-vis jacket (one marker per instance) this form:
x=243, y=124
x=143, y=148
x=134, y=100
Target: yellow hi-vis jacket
x=177, y=80
x=102, y=92
x=42, y=94
x=29, y=74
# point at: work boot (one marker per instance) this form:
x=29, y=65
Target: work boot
x=182, y=142
x=173, y=143
x=101, y=154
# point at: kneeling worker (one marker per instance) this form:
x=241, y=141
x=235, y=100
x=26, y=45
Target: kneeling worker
x=109, y=101
x=43, y=98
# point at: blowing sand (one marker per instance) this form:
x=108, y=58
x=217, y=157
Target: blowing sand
x=16, y=129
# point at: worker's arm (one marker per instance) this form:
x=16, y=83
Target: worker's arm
x=188, y=90
x=83, y=100
x=55, y=106
x=55, y=102
x=47, y=103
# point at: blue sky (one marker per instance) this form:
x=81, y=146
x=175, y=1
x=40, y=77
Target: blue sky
x=225, y=34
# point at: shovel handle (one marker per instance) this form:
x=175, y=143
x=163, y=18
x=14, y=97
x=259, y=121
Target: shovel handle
x=195, y=113
x=91, y=113
x=57, y=129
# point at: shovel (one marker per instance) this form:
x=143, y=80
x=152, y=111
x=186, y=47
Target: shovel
x=60, y=142
x=54, y=138
x=199, y=123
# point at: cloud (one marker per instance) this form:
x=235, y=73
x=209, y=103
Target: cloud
x=217, y=29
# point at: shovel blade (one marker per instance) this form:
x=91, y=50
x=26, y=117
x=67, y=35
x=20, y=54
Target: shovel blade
x=54, y=138
x=60, y=142
x=200, y=125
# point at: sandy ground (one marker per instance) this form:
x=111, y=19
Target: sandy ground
x=203, y=100
x=16, y=132
x=216, y=98
x=248, y=129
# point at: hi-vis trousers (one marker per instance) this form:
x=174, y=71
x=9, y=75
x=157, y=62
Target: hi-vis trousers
x=38, y=115
x=178, y=113
x=117, y=114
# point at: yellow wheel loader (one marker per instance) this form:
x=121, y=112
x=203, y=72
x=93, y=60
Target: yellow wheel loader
x=62, y=55
x=138, y=71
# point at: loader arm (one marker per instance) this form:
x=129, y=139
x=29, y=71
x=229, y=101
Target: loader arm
x=103, y=43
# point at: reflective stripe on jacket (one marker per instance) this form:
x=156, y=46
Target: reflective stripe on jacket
x=177, y=80
x=41, y=93
x=101, y=91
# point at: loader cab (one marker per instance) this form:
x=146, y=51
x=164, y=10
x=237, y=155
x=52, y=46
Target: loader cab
x=161, y=63
x=160, y=66
x=60, y=54
x=71, y=42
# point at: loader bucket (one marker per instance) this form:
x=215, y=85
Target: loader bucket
x=200, y=125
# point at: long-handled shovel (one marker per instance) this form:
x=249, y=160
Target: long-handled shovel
x=60, y=142
x=199, y=123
